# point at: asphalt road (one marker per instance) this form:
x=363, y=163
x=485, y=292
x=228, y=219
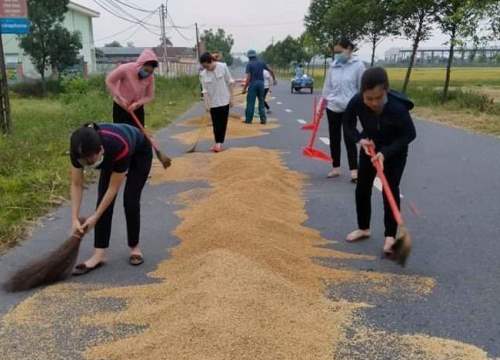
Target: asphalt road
x=452, y=183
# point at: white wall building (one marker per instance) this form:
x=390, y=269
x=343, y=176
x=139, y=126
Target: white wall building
x=78, y=18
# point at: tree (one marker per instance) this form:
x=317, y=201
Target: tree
x=380, y=19
x=65, y=48
x=46, y=17
x=219, y=41
x=416, y=18
x=329, y=20
x=459, y=19
x=114, y=43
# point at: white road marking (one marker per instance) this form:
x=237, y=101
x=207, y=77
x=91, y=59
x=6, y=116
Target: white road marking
x=279, y=103
x=288, y=110
x=273, y=98
x=325, y=140
x=378, y=185
x=300, y=121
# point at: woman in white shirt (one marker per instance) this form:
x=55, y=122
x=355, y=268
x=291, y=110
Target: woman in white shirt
x=342, y=82
x=268, y=81
x=217, y=84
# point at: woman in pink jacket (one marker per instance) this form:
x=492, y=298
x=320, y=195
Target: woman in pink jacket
x=132, y=86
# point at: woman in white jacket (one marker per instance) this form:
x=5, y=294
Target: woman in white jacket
x=342, y=82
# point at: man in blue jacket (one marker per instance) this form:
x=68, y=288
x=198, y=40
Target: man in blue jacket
x=255, y=85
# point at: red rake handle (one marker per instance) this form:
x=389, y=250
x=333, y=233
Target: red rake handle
x=317, y=119
x=385, y=186
x=143, y=130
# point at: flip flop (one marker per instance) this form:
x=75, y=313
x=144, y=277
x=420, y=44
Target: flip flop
x=136, y=260
x=82, y=269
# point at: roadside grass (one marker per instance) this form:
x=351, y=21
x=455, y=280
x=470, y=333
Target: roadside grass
x=34, y=167
x=474, y=97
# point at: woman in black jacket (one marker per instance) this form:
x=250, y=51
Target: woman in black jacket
x=388, y=128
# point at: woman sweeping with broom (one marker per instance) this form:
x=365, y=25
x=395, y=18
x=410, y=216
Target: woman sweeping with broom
x=387, y=129
x=132, y=86
x=120, y=152
x=217, y=85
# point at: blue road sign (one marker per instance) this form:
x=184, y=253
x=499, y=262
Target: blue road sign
x=14, y=25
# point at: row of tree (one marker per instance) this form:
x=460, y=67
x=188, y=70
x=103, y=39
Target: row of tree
x=463, y=21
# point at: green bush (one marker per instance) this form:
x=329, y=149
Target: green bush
x=457, y=98
x=35, y=88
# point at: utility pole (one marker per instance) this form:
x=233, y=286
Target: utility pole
x=163, y=22
x=4, y=93
x=197, y=41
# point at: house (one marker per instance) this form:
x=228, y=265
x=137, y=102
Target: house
x=120, y=55
x=78, y=18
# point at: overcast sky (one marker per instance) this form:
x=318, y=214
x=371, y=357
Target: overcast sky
x=253, y=23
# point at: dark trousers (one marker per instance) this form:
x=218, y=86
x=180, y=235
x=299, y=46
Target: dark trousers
x=255, y=92
x=266, y=91
x=335, y=129
x=220, y=117
x=393, y=170
x=137, y=176
x=121, y=116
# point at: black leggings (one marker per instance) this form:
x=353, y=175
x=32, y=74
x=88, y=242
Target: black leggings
x=138, y=172
x=393, y=170
x=121, y=116
x=266, y=91
x=220, y=117
x=335, y=129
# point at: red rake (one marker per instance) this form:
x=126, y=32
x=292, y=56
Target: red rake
x=402, y=247
x=311, y=125
x=310, y=151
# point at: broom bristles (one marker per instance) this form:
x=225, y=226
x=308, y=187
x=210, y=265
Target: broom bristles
x=402, y=247
x=166, y=162
x=55, y=266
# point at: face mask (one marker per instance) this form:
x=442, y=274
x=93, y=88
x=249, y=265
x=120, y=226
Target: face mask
x=94, y=165
x=341, y=58
x=143, y=74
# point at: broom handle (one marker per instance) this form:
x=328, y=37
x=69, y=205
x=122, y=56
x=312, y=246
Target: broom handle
x=141, y=127
x=317, y=119
x=385, y=186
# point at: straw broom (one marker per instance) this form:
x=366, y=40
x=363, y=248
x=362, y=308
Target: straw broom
x=55, y=266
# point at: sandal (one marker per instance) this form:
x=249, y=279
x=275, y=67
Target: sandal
x=82, y=269
x=136, y=260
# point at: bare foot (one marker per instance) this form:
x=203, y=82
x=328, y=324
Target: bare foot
x=357, y=235
x=388, y=244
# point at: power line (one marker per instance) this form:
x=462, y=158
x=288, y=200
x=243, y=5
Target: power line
x=134, y=7
x=137, y=22
x=178, y=31
x=114, y=13
x=117, y=7
x=125, y=30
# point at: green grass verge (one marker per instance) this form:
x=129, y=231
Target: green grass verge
x=34, y=167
